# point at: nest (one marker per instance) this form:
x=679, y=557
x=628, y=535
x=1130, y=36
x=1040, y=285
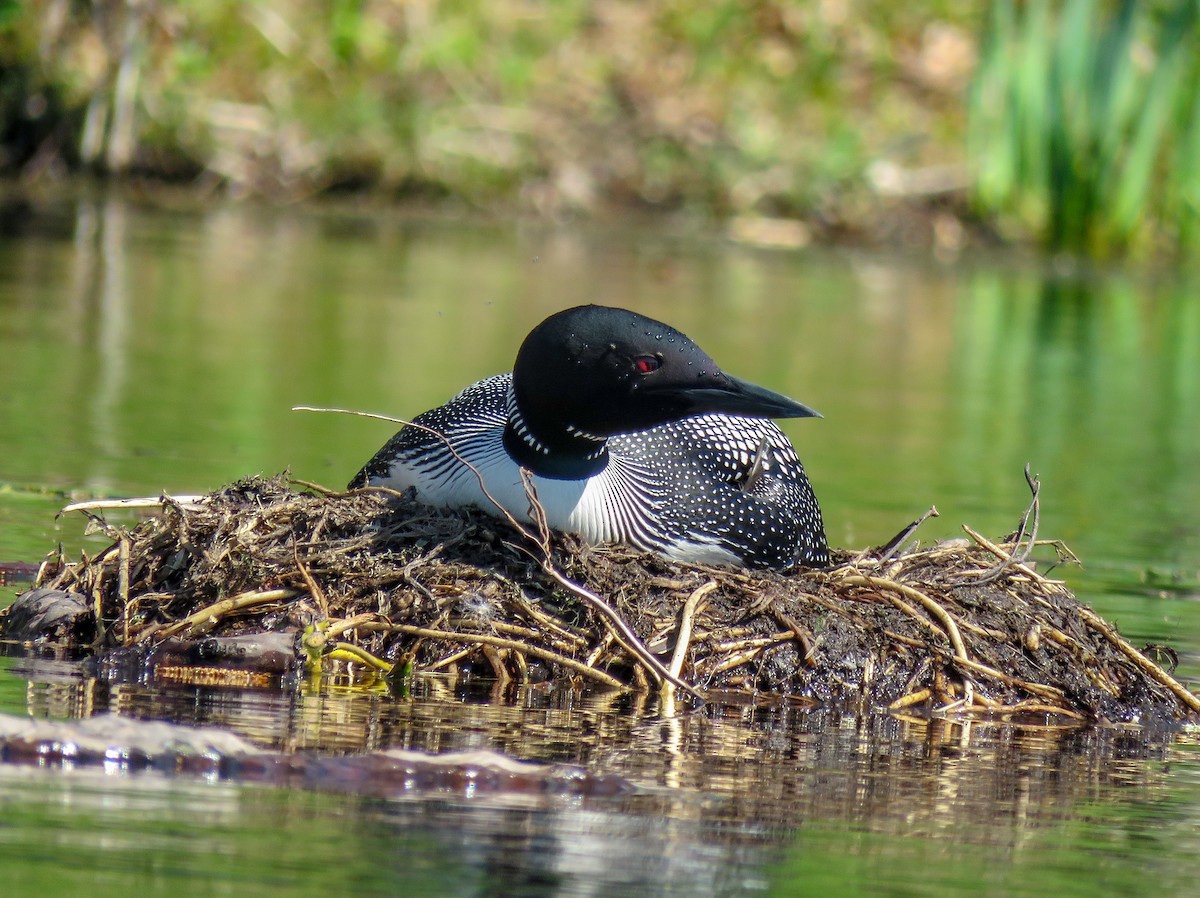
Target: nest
x=370, y=577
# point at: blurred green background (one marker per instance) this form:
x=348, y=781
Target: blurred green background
x=1072, y=124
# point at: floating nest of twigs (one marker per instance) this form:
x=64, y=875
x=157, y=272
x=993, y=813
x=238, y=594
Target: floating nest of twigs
x=372, y=580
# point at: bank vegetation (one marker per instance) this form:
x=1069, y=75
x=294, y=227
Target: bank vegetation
x=1074, y=124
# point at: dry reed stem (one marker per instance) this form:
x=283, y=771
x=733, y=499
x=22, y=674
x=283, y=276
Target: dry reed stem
x=538, y=652
x=1048, y=692
x=684, y=637
x=894, y=544
x=736, y=660
x=798, y=632
x=314, y=588
x=1030, y=519
x=1005, y=556
x=758, y=642
x=1147, y=666
x=451, y=659
x=913, y=698
x=191, y=502
x=623, y=633
x=123, y=585
x=539, y=616
x=206, y=618
x=943, y=616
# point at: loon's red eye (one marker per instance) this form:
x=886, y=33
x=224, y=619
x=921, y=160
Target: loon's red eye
x=647, y=363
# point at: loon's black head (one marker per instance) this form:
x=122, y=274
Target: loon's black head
x=597, y=371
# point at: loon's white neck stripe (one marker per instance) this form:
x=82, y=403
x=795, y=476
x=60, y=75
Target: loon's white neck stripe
x=576, y=432
x=517, y=422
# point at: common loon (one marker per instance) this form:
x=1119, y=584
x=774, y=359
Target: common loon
x=633, y=435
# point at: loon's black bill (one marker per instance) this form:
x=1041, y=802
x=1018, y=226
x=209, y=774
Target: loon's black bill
x=744, y=398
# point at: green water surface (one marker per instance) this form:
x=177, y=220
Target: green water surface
x=144, y=350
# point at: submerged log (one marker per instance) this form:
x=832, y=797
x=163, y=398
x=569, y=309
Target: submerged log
x=968, y=627
x=110, y=741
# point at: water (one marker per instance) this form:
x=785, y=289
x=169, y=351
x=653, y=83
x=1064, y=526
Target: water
x=144, y=350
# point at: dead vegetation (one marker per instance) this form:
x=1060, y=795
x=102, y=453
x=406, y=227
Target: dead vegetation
x=372, y=578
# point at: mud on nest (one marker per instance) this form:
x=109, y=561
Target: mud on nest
x=967, y=627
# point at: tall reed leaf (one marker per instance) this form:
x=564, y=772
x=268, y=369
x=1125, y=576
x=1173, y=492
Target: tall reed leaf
x=1083, y=122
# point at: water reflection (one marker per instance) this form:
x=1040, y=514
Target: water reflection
x=159, y=836
x=1091, y=370
x=762, y=768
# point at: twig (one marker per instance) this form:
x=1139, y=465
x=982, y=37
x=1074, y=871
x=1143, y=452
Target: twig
x=625, y=634
x=496, y=660
x=349, y=411
x=313, y=587
x=206, y=618
x=1036, y=688
x=684, y=636
x=450, y=659
x=367, y=621
x=759, y=642
x=545, y=654
x=1147, y=666
x=943, y=616
x=906, y=640
x=1020, y=553
x=123, y=586
x=806, y=644
x=603, y=646
x=406, y=571
x=1034, y=708
x=1034, y=510
x=893, y=545
x=546, y=620
x=913, y=698
x=1001, y=554
x=192, y=503
x=98, y=601
x=738, y=660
